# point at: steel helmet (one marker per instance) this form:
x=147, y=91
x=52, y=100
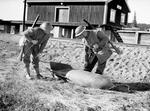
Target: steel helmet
x=79, y=30
x=46, y=26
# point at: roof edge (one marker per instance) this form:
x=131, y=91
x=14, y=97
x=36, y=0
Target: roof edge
x=77, y=1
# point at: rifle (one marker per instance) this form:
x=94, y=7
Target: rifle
x=22, y=47
x=89, y=25
x=92, y=27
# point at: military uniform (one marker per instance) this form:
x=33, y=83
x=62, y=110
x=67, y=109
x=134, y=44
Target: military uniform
x=42, y=38
x=103, y=52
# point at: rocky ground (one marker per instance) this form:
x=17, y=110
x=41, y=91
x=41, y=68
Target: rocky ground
x=60, y=96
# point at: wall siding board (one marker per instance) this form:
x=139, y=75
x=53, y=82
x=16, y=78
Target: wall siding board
x=96, y=15
x=46, y=12
x=92, y=13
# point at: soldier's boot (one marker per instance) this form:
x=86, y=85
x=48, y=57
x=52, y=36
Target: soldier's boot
x=38, y=75
x=99, y=72
x=28, y=73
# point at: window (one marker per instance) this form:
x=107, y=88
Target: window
x=62, y=14
x=122, y=18
x=112, y=15
x=1, y=27
x=119, y=7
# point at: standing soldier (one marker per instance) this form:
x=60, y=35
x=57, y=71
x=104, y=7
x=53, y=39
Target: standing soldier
x=35, y=41
x=96, y=48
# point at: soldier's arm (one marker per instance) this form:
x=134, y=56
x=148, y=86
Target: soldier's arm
x=44, y=42
x=103, y=39
x=86, y=53
x=28, y=34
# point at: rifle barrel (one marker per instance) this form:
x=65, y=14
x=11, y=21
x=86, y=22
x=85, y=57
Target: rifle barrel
x=36, y=19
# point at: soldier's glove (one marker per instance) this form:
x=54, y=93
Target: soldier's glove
x=38, y=55
x=34, y=42
x=95, y=48
x=85, y=63
x=118, y=51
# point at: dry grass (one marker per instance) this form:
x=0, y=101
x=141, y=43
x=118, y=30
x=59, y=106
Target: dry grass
x=19, y=94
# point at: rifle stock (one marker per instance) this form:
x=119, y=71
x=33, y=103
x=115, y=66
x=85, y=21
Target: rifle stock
x=22, y=47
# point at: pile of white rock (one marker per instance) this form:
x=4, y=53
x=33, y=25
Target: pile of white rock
x=132, y=66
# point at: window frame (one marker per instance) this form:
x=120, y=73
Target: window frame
x=112, y=15
x=122, y=19
x=57, y=14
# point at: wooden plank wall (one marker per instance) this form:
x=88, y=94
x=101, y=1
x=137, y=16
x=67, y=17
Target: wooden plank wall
x=46, y=12
x=93, y=13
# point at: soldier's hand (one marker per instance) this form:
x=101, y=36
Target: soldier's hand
x=118, y=51
x=38, y=55
x=85, y=63
x=95, y=48
x=34, y=42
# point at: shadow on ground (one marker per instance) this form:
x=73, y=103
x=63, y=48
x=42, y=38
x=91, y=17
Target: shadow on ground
x=61, y=69
x=136, y=86
x=60, y=66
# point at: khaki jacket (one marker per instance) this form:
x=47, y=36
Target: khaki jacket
x=36, y=34
x=98, y=37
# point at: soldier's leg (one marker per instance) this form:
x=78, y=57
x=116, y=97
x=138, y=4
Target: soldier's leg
x=35, y=61
x=90, y=59
x=90, y=65
x=26, y=60
x=100, y=67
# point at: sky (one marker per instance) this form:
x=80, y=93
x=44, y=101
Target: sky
x=141, y=8
x=13, y=10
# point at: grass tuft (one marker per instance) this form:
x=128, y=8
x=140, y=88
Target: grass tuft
x=19, y=96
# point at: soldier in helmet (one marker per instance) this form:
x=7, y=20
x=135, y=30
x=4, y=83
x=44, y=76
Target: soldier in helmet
x=36, y=40
x=96, y=48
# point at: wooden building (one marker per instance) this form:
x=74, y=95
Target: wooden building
x=5, y=26
x=66, y=15
x=14, y=27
